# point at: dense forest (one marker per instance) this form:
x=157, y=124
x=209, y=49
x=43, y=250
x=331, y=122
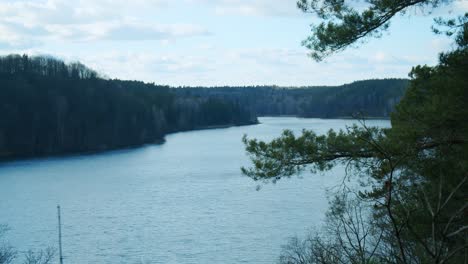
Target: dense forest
x=51, y=107
x=370, y=98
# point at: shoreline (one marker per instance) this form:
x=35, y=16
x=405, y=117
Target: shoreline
x=158, y=141
x=115, y=149
x=330, y=118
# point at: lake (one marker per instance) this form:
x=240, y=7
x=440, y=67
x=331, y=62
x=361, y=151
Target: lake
x=184, y=201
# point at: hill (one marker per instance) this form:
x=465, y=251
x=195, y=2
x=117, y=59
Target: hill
x=48, y=107
x=369, y=98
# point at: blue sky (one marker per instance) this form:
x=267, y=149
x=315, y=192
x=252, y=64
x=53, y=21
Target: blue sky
x=210, y=42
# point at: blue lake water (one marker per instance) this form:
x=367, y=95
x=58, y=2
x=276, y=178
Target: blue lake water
x=184, y=201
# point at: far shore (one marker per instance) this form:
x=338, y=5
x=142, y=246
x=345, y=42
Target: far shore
x=158, y=141
x=161, y=140
x=337, y=117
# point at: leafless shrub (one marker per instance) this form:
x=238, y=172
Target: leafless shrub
x=40, y=257
x=7, y=253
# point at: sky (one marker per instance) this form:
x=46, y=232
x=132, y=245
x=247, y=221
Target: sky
x=211, y=42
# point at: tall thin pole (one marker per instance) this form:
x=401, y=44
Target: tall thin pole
x=60, y=234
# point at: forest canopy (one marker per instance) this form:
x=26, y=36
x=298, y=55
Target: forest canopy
x=50, y=107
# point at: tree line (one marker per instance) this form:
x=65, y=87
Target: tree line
x=369, y=98
x=50, y=107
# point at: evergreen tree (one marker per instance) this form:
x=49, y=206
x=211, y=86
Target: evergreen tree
x=416, y=172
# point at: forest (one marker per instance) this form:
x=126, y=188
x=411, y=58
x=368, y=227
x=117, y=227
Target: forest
x=368, y=98
x=396, y=190
x=50, y=107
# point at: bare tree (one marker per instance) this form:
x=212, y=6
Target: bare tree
x=350, y=235
x=7, y=253
x=40, y=257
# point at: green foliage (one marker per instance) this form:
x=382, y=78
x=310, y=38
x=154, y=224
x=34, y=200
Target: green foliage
x=455, y=26
x=417, y=170
x=288, y=154
x=345, y=25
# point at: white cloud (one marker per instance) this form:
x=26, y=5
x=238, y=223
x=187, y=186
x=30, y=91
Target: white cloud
x=460, y=6
x=252, y=7
x=73, y=12
x=286, y=67
x=24, y=23
x=379, y=57
x=12, y=35
x=96, y=32
x=116, y=30
x=161, y=68
x=440, y=44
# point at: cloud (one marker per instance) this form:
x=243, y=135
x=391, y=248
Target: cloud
x=271, y=56
x=379, y=57
x=161, y=68
x=73, y=12
x=150, y=32
x=252, y=7
x=440, y=44
x=15, y=36
x=98, y=32
x=124, y=31
x=28, y=23
x=288, y=7
x=260, y=66
x=461, y=5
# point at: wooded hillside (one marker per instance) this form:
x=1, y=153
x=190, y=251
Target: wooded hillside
x=370, y=98
x=50, y=107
